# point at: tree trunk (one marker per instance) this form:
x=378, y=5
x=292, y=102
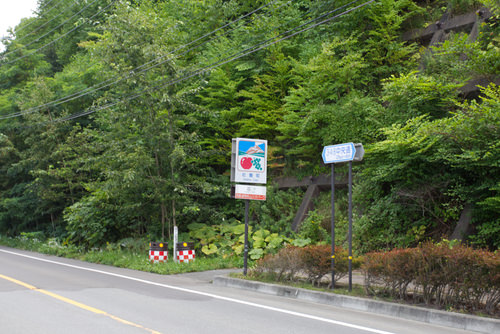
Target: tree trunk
x=72, y=197
x=463, y=226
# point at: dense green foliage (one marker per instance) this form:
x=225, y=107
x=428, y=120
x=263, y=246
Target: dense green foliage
x=116, y=118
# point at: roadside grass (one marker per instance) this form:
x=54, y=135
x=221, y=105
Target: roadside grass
x=116, y=255
x=140, y=261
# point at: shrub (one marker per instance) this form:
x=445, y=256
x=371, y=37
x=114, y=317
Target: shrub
x=309, y=263
x=432, y=272
x=316, y=262
x=459, y=277
x=389, y=273
x=280, y=267
x=93, y=221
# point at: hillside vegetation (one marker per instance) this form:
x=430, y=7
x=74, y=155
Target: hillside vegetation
x=116, y=117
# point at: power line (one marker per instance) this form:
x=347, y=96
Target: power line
x=46, y=4
x=214, y=65
x=30, y=23
x=40, y=27
x=39, y=38
x=219, y=63
x=110, y=82
x=228, y=59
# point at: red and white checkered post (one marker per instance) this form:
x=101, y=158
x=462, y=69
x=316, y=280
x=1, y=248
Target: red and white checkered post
x=158, y=252
x=185, y=252
x=186, y=256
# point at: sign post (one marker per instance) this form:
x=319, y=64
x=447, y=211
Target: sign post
x=349, y=237
x=176, y=240
x=333, y=225
x=333, y=154
x=245, y=250
x=248, y=165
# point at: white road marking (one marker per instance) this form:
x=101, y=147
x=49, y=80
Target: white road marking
x=233, y=300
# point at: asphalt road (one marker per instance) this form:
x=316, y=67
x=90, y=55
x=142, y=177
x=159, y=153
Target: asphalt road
x=44, y=294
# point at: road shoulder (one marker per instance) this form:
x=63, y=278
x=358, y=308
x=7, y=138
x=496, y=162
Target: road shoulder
x=436, y=317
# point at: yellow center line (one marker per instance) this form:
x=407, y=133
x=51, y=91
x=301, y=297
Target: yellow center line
x=77, y=304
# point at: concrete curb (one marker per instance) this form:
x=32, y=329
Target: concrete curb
x=436, y=317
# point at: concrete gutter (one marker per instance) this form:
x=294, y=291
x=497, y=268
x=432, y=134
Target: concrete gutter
x=436, y=317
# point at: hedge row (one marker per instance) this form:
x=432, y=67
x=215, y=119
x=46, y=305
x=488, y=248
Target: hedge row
x=309, y=263
x=436, y=274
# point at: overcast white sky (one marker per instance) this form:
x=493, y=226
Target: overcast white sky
x=11, y=13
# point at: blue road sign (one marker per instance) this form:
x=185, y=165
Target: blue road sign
x=338, y=153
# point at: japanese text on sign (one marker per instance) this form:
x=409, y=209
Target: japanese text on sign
x=338, y=153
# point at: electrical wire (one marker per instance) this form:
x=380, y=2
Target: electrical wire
x=55, y=40
x=48, y=3
x=134, y=72
x=30, y=23
x=39, y=38
x=227, y=59
x=41, y=26
x=219, y=63
x=212, y=66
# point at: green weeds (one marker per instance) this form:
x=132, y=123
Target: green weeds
x=115, y=255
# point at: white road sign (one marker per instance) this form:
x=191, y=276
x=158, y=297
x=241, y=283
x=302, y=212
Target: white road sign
x=338, y=153
x=243, y=191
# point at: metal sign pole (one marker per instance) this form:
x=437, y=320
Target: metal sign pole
x=245, y=257
x=248, y=165
x=350, y=225
x=333, y=226
x=347, y=152
x=176, y=240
